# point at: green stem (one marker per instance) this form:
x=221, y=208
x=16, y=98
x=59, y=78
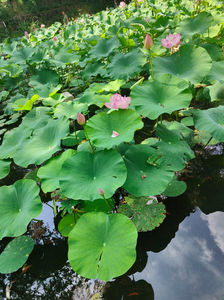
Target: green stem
x=54, y=207
x=107, y=202
x=150, y=60
x=88, y=138
x=208, y=142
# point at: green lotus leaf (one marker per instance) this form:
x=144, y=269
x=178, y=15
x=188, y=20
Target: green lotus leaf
x=102, y=169
x=104, y=47
x=3, y=95
x=146, y=216
x=205, y=138
x=43, y=143
x=217, y=71
x=101, y=126
x=124, y=66
x=173, y=150
x=93, y=69
x=66, y=224
x=144, y=179
x=102, y=246
x=12, y=70
x=197, y=25
x=19, y=204
x=62, y=57
x=211, y=120
x=91, y=96
x=216, y=91
x=15, y=254
x=189, y=63
x=44, y=77
x=70, y=109
x=98, y=205
x=175, y=188
x=21, y=55
x=112, y=86
x=4, y=168
x=164, y=95
x=50, y=172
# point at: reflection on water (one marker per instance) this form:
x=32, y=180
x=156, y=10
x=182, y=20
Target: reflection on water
x=183, y=259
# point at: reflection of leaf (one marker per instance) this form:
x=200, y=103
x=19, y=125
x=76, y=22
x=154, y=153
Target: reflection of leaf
x=102, y=246
x=175, y=188
x=15, y=254
x=145, y=215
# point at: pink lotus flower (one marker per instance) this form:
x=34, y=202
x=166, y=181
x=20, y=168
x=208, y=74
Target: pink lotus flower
x=171, y=40
x=42, y=26
x=101, y=191
x=54, y=38
x=115, y=134
x=147, y=19
x=60, y=30
x=148, y=43
x=26, y=34
x=117, y=101
x=80, y=119
x=122, y=4
x=35, y=29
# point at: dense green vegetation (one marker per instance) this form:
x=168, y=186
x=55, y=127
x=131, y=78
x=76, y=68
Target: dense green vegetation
x=103, y=112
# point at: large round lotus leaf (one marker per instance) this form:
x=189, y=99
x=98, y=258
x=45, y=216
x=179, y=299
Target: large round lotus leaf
x=147, y=214
x=197, y=25
x=4, y=168
x=211, y=120
x=21, y=55
x=102, y=246
x=101, y=126
x=84, y=173
x=50, y=172
x=164, y=95
x=66, y=224
x=42, y=144
x=144, y=179
x=104, y=47
x=19, y=204
x=189, y=63
x=127, y=65
x=15, y=254
x=70, y=109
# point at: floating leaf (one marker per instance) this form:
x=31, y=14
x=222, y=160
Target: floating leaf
x=50, y=172
x=144, y=179
x=102, y=246
x=189, y=63
x=19, y=204
x=74, y=138
x=102, y=169
x=66, y=224
x=147, y=214
x=211, y=120
x=4, y=168
x=101, y=126
x=164, y=95
x=175, y=188
x=15, y=254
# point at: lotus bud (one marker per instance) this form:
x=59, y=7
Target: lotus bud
x=54, y=38
x=115, y=134
x=101, y=191
x=148, y=43
x=81, y=119
x=26, y=34
x=42, y=25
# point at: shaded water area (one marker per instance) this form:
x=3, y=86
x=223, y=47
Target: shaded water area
x=182, y=259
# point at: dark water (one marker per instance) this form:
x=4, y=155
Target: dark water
x=183, y=259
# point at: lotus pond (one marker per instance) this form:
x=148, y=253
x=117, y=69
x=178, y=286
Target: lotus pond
x=106, y=126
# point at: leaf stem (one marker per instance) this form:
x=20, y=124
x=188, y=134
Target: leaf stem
x=151, y=66
x=87, y=137
x=54, y=207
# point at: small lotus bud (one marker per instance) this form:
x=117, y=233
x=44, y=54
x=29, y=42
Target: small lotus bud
x=81, y=119
x=54, y=38
x=42, y=25
x=148, y=43
x=101, y=191
x=26, y=34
